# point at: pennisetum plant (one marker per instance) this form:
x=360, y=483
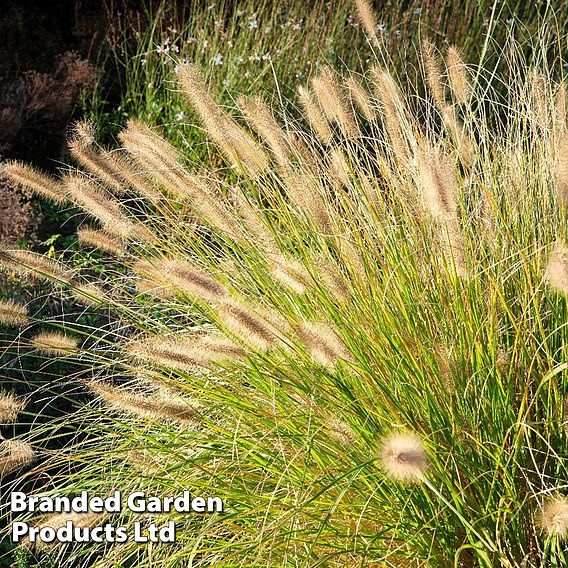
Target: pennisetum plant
x=355, y=333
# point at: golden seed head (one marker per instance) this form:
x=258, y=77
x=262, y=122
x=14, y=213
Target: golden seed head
x=13, y=314
x=42, y=184
x=55, y=343
x=323, y=343
x=89, y=294
x=562, y=171
x=308, y=193
x=260, y=116
x=552, y=517
x=314, y=115
x=34, y=265
x=241, y=320
x=329, y=92
x=182, y=277
x=103, y=207
x=458, y=74
x=340, y=167
x=14, y=455
x=288, y=272
x=93, y=161
x=402, y=457
x=393, y=107
x=84, y=130
x=437, y=182
x=361, y=97
x=233, y=140
x=156, y=408
x=556, y=274
x=340, y=431
x=101, y=240
x=10, y=406
x=368, y=19
x=433, y=73
x=184, y=353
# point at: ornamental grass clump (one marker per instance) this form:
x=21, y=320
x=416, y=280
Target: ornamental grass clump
x=354, y=333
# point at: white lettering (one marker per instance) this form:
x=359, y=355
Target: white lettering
x=137, y=503
x=18, y=530
x=18, y=502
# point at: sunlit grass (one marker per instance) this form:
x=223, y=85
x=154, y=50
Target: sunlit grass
x=367, y=329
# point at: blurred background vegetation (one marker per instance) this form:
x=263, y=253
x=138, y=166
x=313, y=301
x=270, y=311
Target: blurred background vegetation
x=109, y=60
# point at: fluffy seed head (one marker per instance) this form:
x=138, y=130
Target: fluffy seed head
x=12, y=313
x=557, y=269
x=329, y=92
x=393, y=107
x=14, y=455
x=228, y=135
x=562, y=171
x=183, y=277
x=458, y=75
x=361, y=97
x=152, y=288
x=288, y=272
x=155, y=408
x=433, y=73
x=240, y=320
x=104, y=208
x=340, y=166
x=260, y=116
x=84, y=130
x=33, y=265
x=340, y=431
x=402, y=457
x=146, y=139
x=149, y=152
x=89, y=294
x=539, y=98
x=59, y=520
x=92, y=160
x=209, y=204
x=131, y=176
x=323, y=344
x=167, y=352
x=308, y=193
x=10, y=406
x=461, y=139
x=255, y=225
x=437, y=182
x=314, y=115
x=40, y=183
x=184, y=353
x=101, y=240
x=368, y=20
x=553, y=517
x=55, y=343
x=329, y=275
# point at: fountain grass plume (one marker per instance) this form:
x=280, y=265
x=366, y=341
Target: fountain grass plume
x=55, y=343
x=14, y=455
x=13, y=314
x=42, y=184
x=152, y=407
x=10, y=406
x=101, y=239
